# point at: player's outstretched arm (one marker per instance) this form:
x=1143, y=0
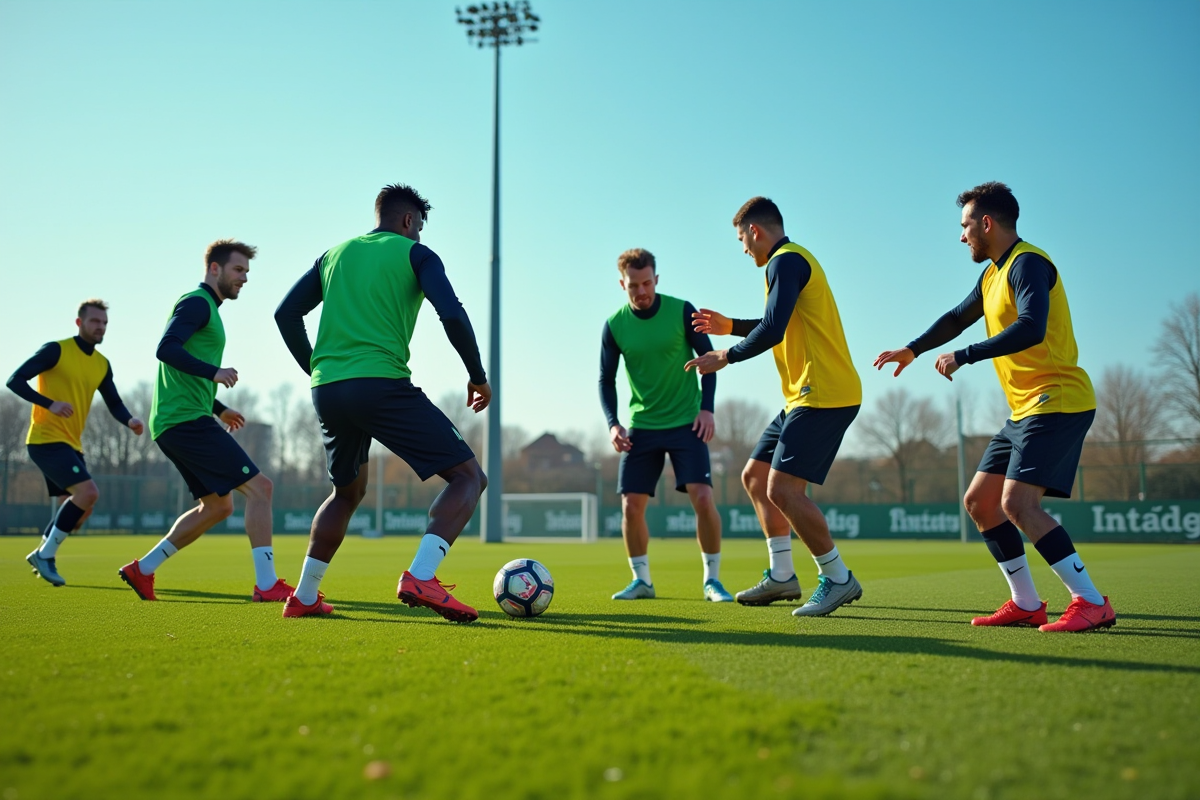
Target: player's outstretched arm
x=711, y=323
x=787, y=275
x=45, y=358
x=947, y=327
x=190, y=315
x=431, y=275
x=1031, y=278
x=112, y=400
x=302, y=298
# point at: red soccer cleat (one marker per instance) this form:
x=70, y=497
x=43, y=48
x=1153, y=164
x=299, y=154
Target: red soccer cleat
x=143, y=585
x=1083, y=616
x=279, y=593
x=435, y=595
x=1012, y=615
x=292, y=607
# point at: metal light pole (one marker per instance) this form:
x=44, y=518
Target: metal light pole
x=496, y=25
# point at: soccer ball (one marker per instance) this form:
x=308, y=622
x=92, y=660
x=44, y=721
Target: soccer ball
x=523, y=588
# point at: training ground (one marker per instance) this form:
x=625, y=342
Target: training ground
x=204, y=694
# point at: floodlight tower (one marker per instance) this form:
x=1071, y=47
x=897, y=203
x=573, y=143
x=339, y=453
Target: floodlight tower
x=496, y=25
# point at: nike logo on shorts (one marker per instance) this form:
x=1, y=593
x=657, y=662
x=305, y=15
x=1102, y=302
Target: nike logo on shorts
x=789, y=458
x=1027, y=469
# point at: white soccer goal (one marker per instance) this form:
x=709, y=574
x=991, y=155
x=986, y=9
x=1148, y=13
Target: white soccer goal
x=567, y=517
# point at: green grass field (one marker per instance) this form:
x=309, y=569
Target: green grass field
x=205, y=694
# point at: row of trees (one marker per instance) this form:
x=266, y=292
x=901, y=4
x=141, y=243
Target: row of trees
x=903, y=447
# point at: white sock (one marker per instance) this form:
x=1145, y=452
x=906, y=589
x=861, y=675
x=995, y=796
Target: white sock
x=641, y=568
x=831, y=566
x=157, y=555
x=310, y=580
x=264, y=567
x=1020, y=582
x=712, y=566
x=50, y=544
x=780, y=548
x=430, y=553
x=1075, y=577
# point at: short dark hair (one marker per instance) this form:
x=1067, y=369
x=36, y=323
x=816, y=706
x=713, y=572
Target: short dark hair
x=396, y=198
x=635, y=258
x=994, y=199
x=758, y=211
x=220, y=251
x=91, y=302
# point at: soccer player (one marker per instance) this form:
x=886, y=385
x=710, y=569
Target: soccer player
x=669, y=415
x=1031, y=343
x=822, y=395
x=211, y=462
x=69, y=372
x=372, y=288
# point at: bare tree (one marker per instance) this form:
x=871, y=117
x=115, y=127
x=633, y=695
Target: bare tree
x=1178, y=354
x=512, y=439
x=305, y=440
x=280, y=416
x=740, y=424
x=14, y=422
x=1127, y=414
x=905, y=429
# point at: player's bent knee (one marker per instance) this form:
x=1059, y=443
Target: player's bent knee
x=701, y=494
x=634, y=505
x=1016, y=507
x=217, y=507
x=86, y=495
x=781, y=491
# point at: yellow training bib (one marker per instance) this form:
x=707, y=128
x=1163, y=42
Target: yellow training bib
x=1045, y=378
x=74, y=379
x=813, y=359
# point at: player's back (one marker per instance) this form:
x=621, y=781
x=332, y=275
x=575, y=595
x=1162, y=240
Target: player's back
x=370, y=298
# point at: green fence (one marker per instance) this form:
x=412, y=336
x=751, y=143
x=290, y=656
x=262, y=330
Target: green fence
x=1166, y=521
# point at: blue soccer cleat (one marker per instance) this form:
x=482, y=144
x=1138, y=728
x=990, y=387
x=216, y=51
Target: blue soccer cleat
x=637, y=589
x=714, y=592
x=46, y=568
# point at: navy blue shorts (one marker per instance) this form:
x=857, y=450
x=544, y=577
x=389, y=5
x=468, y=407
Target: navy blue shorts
x=61, y=465
x=209, y=459
x=641, y=467
x=804, y=441
x=394, y=413
x=1041, y=450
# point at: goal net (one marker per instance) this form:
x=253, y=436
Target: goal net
x=571, y=517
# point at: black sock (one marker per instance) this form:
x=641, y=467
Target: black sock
x=1004, y=541
x=1055, y=546
x=68, y=517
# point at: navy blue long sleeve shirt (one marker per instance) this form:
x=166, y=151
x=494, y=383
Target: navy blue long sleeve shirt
x=610, y=358
x=306, y=295
x=1031, y=277
x=787, y=275
x=45, y=359
x=190, y=315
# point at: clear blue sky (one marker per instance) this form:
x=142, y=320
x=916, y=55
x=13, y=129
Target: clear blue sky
x=133, y=133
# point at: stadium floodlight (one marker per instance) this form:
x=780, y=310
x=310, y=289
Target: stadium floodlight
x=496, y=25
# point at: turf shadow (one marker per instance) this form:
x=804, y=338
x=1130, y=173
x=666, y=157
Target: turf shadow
x=898, y=645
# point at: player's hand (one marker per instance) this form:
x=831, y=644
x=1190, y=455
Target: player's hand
x=901, y=358
x=61, y=409
x=226, y=376
x=709, y=362
x=232, y=419
x=478, y=396
x=704, y=426
x=946, y=365
x=136, y=425
x=708, y=321
x=620, y=439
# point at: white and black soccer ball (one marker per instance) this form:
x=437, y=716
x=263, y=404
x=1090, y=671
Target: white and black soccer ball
x=523, y=588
